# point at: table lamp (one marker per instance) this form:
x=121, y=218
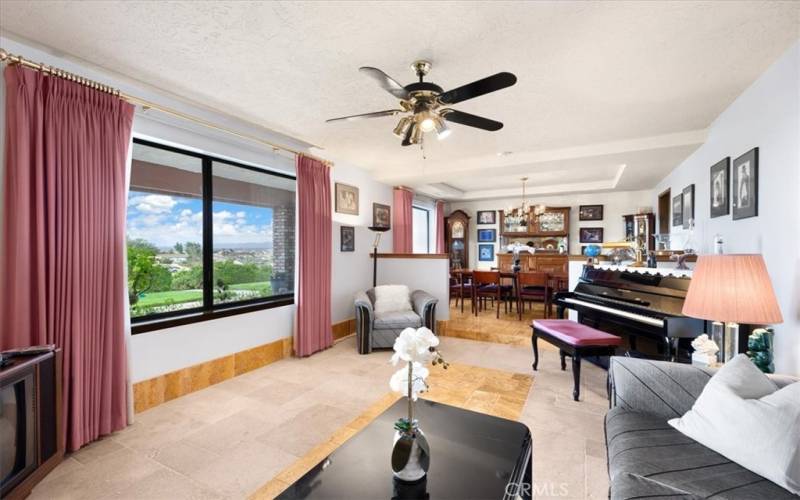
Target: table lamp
x=731, y=289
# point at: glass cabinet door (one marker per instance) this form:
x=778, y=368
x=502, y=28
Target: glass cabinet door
x=552, y=222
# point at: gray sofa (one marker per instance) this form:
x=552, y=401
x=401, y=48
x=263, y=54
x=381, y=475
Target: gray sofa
x=375, y=331
x=649, y=459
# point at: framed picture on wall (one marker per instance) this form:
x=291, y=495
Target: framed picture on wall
x=745, y=185
x=719, y=195
x=590, y=212
x=677, y=210
x=348, y=239
x=688, y=206
x=591, y=234
x=487, y=235
x=486, y=252
x=381, y=215
x=487, y=217
x=346, y=199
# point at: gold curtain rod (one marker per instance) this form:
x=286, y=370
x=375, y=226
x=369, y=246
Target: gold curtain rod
x=6, y=57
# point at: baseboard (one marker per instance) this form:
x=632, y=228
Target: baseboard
x=343, y=329
x=157, y=390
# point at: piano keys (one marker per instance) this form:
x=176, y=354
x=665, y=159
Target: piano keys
x=643, y=309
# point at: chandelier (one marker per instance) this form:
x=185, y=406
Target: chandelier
x=518, y=216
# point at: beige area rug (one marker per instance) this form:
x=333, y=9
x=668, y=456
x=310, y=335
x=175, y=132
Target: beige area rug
x=485, y=390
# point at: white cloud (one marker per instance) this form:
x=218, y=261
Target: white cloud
x=155, y=203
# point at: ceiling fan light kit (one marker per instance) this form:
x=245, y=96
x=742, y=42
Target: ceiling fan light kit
x=425, y=104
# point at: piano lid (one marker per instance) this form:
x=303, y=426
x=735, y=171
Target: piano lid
x=650, y=292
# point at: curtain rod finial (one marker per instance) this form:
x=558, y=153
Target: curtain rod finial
x=3, y=55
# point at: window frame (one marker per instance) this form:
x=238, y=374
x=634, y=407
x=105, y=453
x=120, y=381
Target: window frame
x=427, y=227
x=208, y=311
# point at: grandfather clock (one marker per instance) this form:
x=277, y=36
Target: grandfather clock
x=457, y=239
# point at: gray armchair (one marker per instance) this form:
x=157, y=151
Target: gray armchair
x=379, y=331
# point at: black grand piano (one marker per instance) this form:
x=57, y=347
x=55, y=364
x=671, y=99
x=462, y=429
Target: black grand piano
x=643, y=309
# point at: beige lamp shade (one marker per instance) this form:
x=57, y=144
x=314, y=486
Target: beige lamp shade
x=732, y=289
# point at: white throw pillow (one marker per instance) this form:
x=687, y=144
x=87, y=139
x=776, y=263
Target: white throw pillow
x=391, y=298
x=742, y=415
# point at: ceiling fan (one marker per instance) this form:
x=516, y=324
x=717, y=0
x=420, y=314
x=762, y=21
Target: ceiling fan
x=427, y=103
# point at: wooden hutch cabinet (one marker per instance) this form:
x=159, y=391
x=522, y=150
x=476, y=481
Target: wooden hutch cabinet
x=457, y=239
x=548, y=232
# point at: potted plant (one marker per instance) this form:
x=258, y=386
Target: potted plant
x=414, y=349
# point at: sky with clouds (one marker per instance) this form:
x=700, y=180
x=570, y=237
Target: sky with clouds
x=165, y=220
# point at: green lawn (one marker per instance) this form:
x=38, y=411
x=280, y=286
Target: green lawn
x=172, y=296
x=256, y=285
x=182, y=296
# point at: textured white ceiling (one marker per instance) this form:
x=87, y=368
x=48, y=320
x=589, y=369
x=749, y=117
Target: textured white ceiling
x=590, y=74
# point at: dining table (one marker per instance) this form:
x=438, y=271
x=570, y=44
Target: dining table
x=556, y=281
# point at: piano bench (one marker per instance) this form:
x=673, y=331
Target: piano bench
x=574, y=340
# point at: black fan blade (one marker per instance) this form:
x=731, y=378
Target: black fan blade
x=386, y=82
x=469, y=120
x=478, y=88
x=377, y=114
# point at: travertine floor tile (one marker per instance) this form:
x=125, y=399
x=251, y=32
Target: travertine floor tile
x=228, y=440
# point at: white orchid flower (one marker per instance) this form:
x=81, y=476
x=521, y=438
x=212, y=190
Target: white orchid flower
x=414, y=345
x=399, y=381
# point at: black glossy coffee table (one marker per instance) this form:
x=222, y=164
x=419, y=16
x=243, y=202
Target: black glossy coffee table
x=473, y=456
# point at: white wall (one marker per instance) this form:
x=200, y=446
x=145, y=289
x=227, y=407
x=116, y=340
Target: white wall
x=429, y=274
x=767, y=116
x=352, y=271
x=615, y=205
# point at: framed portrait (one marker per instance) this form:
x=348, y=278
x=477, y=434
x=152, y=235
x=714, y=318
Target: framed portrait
x=487, y=235
x=381, y=215
x=591, y=234
x=486, y=252
x=688, y=206
x=745, y=185
x=348, y=239
x=487, y=217
x=346, y=199
x=719, y=196
x=677, y=210
x=590, y=212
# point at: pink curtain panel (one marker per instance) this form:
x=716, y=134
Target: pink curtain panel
x=440, y=227
x=64, y=236
x=314, y=331
x=402, y=220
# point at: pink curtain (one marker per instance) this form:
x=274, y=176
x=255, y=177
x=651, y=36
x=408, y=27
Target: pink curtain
x=314, y=331
x=402, y=217
x=440, y=227
x=64, y=236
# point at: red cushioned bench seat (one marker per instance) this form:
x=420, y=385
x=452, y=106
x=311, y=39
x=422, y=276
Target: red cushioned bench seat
x=572, y=339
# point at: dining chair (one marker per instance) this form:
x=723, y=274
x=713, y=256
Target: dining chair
x=533, y=286
x=487, y=285
x=460, y=287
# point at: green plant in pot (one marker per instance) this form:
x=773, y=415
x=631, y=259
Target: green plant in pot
x=759, y=349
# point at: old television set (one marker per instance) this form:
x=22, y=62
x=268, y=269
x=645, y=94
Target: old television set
x=29, y=422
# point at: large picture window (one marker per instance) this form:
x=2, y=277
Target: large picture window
x=206, y=237
x=421, y=230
